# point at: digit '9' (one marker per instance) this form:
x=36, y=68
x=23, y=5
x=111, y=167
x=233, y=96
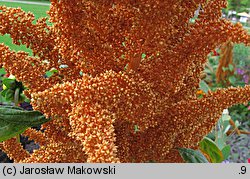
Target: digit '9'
x=243, y=169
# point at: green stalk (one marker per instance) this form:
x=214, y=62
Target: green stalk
x=16, y=99
x=16, y=96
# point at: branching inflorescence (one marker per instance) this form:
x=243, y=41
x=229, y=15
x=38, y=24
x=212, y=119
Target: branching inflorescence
x=127, y=92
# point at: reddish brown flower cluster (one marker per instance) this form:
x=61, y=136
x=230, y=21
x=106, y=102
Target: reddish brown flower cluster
x=127, y=91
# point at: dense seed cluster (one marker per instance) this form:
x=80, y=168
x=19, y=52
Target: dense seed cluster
x=131, y=69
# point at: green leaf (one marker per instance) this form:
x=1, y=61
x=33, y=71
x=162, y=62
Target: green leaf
x=27, y=100
x=14, y=120
x=136, y=128
x=237, y=123
x=2, y=71
x=54, y=70
x=226, y=151
x=210, y=148
x=21, y=98
x=204, y=87
x=231, y=67
x=9, y=83
x=192, y=156
x=17, y=115
x=51, y=72
x=221, y=141
x=9, y=95
x=2, y=99
x=8, y=130
x=225, y=117
x=221, y=136
x=143, y=55
x=211, y=135
x=224, y=69
x=225, y=123
x=232, y=79
x=3, y=93
x=126, y=67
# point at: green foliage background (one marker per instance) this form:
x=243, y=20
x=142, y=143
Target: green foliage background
x=37, y=10
x=238, y=5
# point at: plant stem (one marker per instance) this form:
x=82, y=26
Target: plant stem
x=16, y=99
x=231, y=122
x=16, y=96
x=241, y=132
x=18, y=138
